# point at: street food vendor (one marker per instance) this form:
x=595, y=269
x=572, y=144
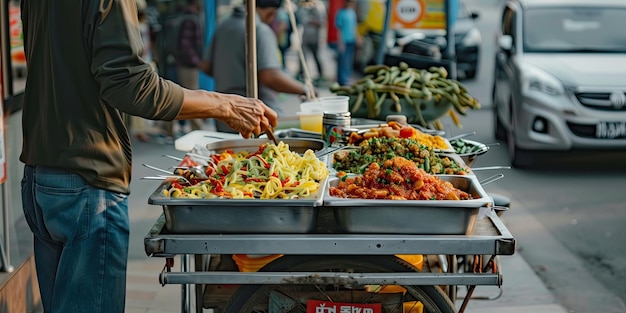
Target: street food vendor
x=84, y=69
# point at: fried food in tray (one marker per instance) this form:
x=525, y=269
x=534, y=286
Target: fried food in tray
x=396, y=130
x=380, y=149
x=397, y=179
x=271, y=172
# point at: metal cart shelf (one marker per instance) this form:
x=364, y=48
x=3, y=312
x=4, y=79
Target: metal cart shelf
x=489, y=237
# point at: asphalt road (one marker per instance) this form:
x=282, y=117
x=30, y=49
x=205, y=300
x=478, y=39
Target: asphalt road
x=578, y=197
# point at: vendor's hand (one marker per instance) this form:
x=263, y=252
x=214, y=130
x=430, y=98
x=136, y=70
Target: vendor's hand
x=249, y=116
x=308, y=96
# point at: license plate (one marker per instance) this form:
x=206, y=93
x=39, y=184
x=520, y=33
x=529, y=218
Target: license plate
x=611, y=130
x=316, y=306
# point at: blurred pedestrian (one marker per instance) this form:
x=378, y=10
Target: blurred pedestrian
x=312, y=19
x=187, y=58
x=281, y=26
x=225, y=60
x=348, y=38
x=83, y=73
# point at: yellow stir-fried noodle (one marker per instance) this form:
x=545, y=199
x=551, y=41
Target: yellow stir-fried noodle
x=272, y=172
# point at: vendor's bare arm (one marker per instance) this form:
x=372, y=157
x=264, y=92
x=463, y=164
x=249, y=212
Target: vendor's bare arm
x=278, y=81
x=246, y=115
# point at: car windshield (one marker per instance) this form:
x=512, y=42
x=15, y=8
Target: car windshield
x=575, y=29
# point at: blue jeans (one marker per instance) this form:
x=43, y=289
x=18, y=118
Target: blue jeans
x=80, y=241
x=345, y=62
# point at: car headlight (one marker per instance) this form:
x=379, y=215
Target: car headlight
x=472, y=38
x=535, y=79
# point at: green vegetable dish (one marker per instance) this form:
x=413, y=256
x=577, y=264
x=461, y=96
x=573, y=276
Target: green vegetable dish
x=383, y=148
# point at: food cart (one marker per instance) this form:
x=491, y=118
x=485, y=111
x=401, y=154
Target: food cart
x=328, y=254
x=329, y=250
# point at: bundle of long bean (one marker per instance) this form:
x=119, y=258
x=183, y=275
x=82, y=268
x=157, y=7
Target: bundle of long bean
x=414, y=86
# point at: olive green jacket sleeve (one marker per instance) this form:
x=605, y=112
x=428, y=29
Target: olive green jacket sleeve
x=127, y=82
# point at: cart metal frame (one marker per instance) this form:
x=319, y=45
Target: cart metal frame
x=489, y=237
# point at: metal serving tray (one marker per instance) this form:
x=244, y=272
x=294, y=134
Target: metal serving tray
x=194, y=216
x=365, y=127
x=299, y=145
x=440, y=217
x=191, y=216
x=452, y=156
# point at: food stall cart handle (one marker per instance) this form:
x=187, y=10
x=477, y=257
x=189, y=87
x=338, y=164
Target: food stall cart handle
x=251, y=65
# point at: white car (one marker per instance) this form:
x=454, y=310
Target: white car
x=560, y=76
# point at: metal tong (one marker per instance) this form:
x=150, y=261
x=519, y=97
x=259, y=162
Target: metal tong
x=269, y=131
x=491, y=179
x=197, y=172
x=330, y=150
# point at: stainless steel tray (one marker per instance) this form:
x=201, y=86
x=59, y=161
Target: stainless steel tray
x=184, y=215
x=441, y=217
x=365, y=127
x=451, y=155
x=299, y=145
x=367, y=124
x=296, y=133
x=189, y=216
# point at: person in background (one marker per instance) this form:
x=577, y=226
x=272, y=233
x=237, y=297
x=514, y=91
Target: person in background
x=312, y=19
x=348, y=38
x=83, y=73
x=281, y=25
x=190, y=46
x=225, y=59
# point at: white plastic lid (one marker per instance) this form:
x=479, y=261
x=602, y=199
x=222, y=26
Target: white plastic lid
x=315, y=106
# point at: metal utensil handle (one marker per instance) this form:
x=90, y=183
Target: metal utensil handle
x=164, y=177
x=491, y=179
x=495, y=167
x=269, y=131
x=199, y=156
x=329, y=150
x=198, y=171
x=172, y=157
x=157, y=169
x=154, y=178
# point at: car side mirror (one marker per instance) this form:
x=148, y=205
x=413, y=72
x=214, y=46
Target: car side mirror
x=505, y=42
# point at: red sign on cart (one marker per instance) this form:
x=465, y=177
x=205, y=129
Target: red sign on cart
x=316, y=306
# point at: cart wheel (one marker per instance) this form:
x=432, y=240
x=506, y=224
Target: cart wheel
x=292, y=298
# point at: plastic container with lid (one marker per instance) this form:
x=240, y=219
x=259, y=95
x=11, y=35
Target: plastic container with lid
x=311, y=106
x=335, y=104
